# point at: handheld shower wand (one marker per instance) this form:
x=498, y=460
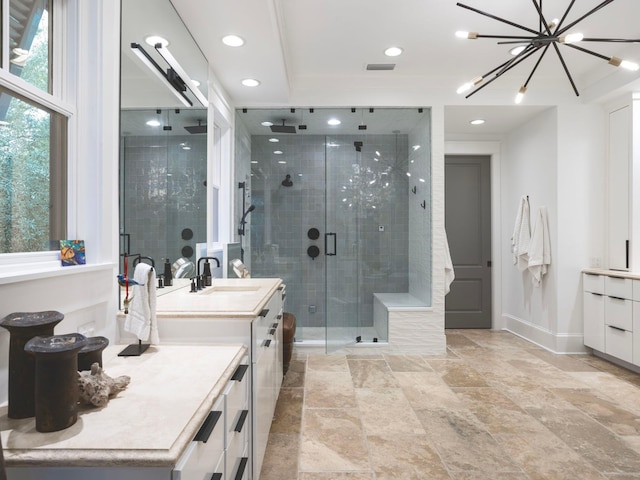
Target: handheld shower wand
x=243, y=219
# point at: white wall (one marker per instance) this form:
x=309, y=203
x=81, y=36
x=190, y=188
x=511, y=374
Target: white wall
x=558, y=160
x=86, y=295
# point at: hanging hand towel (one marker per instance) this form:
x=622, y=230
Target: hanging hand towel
x=449, y=274
x=141, y=319
x=540, y=248
x=521, y=235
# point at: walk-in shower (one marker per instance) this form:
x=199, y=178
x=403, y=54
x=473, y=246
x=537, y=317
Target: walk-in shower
x=363, y=187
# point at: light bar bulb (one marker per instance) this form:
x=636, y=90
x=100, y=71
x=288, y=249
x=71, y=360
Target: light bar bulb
x=626, y=64
x=520, y=95
x=465, y=87
x=571, y=38
x=517, y=50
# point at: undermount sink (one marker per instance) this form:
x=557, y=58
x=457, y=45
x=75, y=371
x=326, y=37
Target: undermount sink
x=230, y=289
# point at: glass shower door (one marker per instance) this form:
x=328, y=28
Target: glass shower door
x=341, y=243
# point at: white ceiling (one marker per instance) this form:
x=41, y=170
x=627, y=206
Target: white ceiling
x=314, y=53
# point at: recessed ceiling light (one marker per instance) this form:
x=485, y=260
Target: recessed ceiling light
x=233, y=41
x=477, y=121
x=334, y=121
x=266, y=124
x=274, y=140
x=517, y=50
x=153, y=40
x=393, y=51
x=250, y=82
x=153, y=123
x=282, y=162
x=277, y=152
x=254, y=161
x=195, y=83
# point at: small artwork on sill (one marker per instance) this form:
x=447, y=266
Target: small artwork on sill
x=72, y=252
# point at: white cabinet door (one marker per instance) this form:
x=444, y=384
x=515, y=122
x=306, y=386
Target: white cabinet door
x=594, y=320
x=618, y=188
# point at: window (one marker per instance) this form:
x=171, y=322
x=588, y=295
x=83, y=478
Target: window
x=33, y=133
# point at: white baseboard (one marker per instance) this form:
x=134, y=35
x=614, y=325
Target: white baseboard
x=554, y=342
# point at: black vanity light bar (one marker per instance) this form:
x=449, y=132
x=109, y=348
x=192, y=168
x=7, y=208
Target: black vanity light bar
x=170, y=59
x=160, y=73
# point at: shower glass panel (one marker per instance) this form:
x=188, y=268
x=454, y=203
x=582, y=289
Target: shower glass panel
x=365, y=187
x=163, y=170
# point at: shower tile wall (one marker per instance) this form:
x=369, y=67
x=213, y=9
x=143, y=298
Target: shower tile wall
x=162, y=193
x=365, y=191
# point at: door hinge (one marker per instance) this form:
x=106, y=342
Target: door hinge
x=489, y=263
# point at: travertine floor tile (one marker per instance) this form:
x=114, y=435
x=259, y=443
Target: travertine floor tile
x=494, y=407
x=333, y=440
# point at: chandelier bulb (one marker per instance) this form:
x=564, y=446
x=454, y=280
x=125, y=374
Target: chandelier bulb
x=626, y=64
x=467, y=35
x=571, y=38
x=520, y=95
x=465, y=87
x=553, y=23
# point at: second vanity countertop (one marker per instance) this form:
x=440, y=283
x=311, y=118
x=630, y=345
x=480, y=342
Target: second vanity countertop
x=612, y=273
x=228, y=297
x=149, y=424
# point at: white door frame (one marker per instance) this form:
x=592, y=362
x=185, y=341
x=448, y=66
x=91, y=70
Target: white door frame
x=493, y=149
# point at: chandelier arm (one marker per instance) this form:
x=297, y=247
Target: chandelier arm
x=526, y=53
x=535, y=67
x=523, y=37
x=505, y=67
x=590, y=52
x=564, y=16
x=566, y=70
x=513, y=24
x=590, y=12
x=620, y=40
x=543, y=22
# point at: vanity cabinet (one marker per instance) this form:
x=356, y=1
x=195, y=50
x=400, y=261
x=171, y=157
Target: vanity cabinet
x=180, y=418
x=253, y=318
x=611, y=304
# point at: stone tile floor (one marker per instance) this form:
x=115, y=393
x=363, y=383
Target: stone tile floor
x=495, y=407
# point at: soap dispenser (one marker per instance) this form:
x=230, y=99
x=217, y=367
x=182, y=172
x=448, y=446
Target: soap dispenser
x=168, y=277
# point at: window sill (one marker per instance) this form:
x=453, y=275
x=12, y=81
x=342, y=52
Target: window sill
x=33, y=271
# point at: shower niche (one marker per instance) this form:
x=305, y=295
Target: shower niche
x=322, y=195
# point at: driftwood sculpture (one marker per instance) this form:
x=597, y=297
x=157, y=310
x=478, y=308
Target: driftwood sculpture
x=96, y=387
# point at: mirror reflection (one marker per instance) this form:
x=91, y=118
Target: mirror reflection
x=163, y=148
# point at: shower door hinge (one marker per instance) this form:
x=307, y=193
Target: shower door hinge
x=489, y=263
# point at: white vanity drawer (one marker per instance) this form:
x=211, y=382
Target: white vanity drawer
x=619, y=313
x=592, y=282
x=619, y=343
x=618, y=287
x=238, y=464
x=202, y=456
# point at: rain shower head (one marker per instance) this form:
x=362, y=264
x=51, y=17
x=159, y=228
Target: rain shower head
x=194, y=129
x=283, y=128
x=287, y=181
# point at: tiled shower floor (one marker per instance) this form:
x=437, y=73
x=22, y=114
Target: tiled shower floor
x=495, y=407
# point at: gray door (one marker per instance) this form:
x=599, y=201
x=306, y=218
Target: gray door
x=468, y=225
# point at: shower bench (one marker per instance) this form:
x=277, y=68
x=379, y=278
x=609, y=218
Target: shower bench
x=404, y=314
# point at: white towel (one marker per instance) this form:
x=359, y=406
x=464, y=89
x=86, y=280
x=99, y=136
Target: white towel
x=521, y=235
x=540, y=247
x=141, y=320
x=449, y=274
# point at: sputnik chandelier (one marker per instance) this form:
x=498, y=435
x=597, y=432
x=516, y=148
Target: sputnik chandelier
x=549, y=34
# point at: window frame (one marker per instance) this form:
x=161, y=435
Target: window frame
x=61, y=101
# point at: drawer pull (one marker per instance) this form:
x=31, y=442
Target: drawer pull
x=216, y=476
x=617, y=298
x=274, y=325
x=592, y=274
x=272, y=331
x=241, y=420
x=598, y=294
x=264, y=312
x=284, y=295
x=238, y=375
x=617, y=328
x=207, y=427
x=279, y=317
x=241, y=468
x=267, y=343
x=281, y=287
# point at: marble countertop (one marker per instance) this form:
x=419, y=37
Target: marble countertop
x=150, y=424
x=226, y=297
x=612, y=273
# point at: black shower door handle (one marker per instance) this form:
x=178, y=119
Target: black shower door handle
x=326, y=244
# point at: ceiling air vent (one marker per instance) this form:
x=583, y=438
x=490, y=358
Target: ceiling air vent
x=381, y=66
